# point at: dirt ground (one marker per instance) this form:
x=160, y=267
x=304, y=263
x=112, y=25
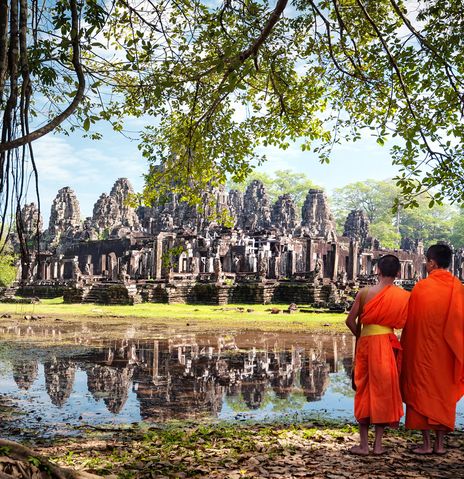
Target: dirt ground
x=246, y=451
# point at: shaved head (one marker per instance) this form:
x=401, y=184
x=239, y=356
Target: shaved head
x=441, y=254
x=389, y=265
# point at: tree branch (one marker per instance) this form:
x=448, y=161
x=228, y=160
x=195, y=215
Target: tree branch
x=241, y=58
x=425, y=43
x=35, y=135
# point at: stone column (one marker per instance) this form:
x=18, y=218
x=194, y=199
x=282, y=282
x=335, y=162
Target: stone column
x=291, y=263
x=157, y=256
x=149, y=256
x=353, y=260
x=54, y=269
x=103, y=264
x=210, y=264
x=334, y=261
x=309, y=255
x=196, y=264
x=43, y=270
x=60, y=267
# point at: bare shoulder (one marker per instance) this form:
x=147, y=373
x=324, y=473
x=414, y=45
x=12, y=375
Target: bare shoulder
x=363, y=292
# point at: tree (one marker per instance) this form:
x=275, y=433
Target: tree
x=7, y=269
x=256, y=175
x=7, y=265
x=376, y=199
x=387, y=234
x=220, y=80
x=42, y=84
x=457, y=230
x=294, y=184
x=427, y=224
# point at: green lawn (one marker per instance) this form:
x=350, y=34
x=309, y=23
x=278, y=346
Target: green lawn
x=236, y=315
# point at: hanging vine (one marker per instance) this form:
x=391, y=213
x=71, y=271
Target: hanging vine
x=27, y=47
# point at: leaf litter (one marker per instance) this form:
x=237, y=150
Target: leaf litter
x=228, y=451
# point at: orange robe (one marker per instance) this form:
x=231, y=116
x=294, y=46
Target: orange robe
x=376, y=374
x=433, y=343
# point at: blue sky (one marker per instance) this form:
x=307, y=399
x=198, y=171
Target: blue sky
x=91, y=167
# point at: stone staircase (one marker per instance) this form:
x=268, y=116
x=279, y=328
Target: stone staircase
x=103, y=293
x=112, y=293
x=253, y=293
x=154, y=293
x=298, y=292
x=329, y=294
x=75, y=294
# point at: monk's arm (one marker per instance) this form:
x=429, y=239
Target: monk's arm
x=353, y=314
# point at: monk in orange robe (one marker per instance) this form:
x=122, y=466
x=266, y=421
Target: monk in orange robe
x=433, y=343
x=381, y=309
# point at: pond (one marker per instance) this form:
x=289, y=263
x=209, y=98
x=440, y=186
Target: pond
x=60, y=378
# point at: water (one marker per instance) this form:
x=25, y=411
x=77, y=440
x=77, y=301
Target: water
x=155, y=377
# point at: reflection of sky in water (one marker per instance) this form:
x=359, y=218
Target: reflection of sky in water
x=41, y=412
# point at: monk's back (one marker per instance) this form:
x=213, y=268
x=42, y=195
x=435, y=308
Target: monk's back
x=388, y=307
x=428, y=375
x=430, y=313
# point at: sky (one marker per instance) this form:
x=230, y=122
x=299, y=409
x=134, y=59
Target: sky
x=91, y=167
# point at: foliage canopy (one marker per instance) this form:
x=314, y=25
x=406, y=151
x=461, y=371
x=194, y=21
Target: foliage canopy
x=216, y=80
x=231, y=77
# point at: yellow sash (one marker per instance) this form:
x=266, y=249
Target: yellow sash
x=374, y=329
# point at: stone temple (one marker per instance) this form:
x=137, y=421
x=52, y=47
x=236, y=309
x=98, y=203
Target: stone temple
x=175, y=253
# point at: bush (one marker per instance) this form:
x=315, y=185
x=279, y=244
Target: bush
x=7, y=270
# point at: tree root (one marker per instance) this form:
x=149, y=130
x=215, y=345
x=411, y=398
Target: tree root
x=20, y=462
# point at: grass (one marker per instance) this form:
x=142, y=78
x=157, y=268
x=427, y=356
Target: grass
x=199, y=316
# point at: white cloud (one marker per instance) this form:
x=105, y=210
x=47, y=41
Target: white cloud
x=88, y=167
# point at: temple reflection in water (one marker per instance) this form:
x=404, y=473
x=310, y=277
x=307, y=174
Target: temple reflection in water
x=195, y=375
x=25, y=372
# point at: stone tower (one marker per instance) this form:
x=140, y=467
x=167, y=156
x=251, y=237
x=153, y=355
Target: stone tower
x=316, y=218
x=112, y=211
x=65, y=213
x=121, y=192
x=235, y=202
x=357, y=226
x=105, y=212
x=30, y=217
x=256, y=209
x=283, y=214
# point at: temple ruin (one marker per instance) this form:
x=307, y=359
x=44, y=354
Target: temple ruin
x=175, y=253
